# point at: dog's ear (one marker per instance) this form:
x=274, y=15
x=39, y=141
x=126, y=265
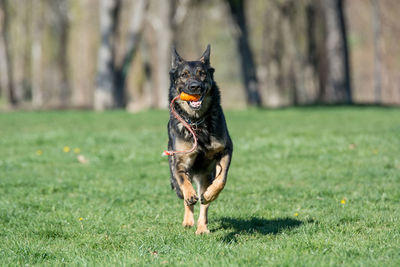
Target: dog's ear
x=176, y=59
x=205, y=58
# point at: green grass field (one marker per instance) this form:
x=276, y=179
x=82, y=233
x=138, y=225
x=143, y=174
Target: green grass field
x=307, y=187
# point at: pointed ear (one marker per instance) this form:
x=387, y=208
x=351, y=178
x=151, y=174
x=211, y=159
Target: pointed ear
x=176, y=59
x=205, y=58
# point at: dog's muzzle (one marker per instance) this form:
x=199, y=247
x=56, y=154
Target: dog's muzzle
x=195, y=87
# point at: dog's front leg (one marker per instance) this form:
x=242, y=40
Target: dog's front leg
x=183, y=164
x=189, y=195
x=203, y=216
x=188, y=218
x=218, y=184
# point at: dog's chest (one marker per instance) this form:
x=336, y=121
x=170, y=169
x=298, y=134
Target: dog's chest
x=214, y=148
x=207, y=155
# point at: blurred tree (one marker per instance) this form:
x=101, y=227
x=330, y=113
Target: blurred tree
x=111, y=77
x=106, y=94
x=291, y=49
x=164, y=45
x=7, y=51
x=337, y=83
x=287, y=52
x=36, y=54
x=60, y=9
x=83, y=44
x=161, y=27
x=134, y=37
x=237, y=8
x=376, y=22
x=159, y=39
x=3, y=65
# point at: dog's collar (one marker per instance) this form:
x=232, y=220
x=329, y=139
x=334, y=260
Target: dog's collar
x=195, y=123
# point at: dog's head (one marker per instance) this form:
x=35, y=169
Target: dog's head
x=193, y=78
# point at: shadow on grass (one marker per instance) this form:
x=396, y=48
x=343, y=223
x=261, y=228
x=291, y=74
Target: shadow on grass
x=255, y=225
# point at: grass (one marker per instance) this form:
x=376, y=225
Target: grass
x=307, y=187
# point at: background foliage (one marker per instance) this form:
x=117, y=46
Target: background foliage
x=53, y=50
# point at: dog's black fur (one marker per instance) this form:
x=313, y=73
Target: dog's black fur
x=208, y=165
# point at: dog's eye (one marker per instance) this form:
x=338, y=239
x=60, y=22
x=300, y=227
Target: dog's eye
x=202, y=74
x=184, y=75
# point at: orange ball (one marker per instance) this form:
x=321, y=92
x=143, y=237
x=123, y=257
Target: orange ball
x=187, y=97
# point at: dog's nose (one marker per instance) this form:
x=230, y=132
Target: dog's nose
x=194, y=85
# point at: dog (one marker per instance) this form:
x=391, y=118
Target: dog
x=207, y=166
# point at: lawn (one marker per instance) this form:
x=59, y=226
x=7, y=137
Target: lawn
x=307, y=187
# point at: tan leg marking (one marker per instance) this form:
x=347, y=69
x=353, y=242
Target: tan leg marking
x=218, y=184
x=203, y=216
x=188, y=218
x=189, y=194
x=203, y=220
x=183, y=163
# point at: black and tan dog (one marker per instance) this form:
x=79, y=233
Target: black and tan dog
x=207, y=166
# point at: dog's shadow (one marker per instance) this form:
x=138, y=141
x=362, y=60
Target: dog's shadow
x=255, y=225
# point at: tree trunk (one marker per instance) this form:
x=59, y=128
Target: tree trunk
x=36, y=55
x=61, y=10
x=3, y=63
x=111, y=79
x=237, y=9
x=376, y=21
x=337, y=84
x=8, y=60
x=105, y=92
x=139, y=10
x=164, y=35
x=291, y=45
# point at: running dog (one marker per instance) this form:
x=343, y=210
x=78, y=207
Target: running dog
x=207, y=165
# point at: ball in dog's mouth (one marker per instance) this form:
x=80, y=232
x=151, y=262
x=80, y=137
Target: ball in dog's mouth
x=194, y=100
x=189, y=97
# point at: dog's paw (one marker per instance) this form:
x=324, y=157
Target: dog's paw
x=188, y=222
x=203, y=200
x=191, y=199
x=210, y=194
x=202, y=229
x=206, y=198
